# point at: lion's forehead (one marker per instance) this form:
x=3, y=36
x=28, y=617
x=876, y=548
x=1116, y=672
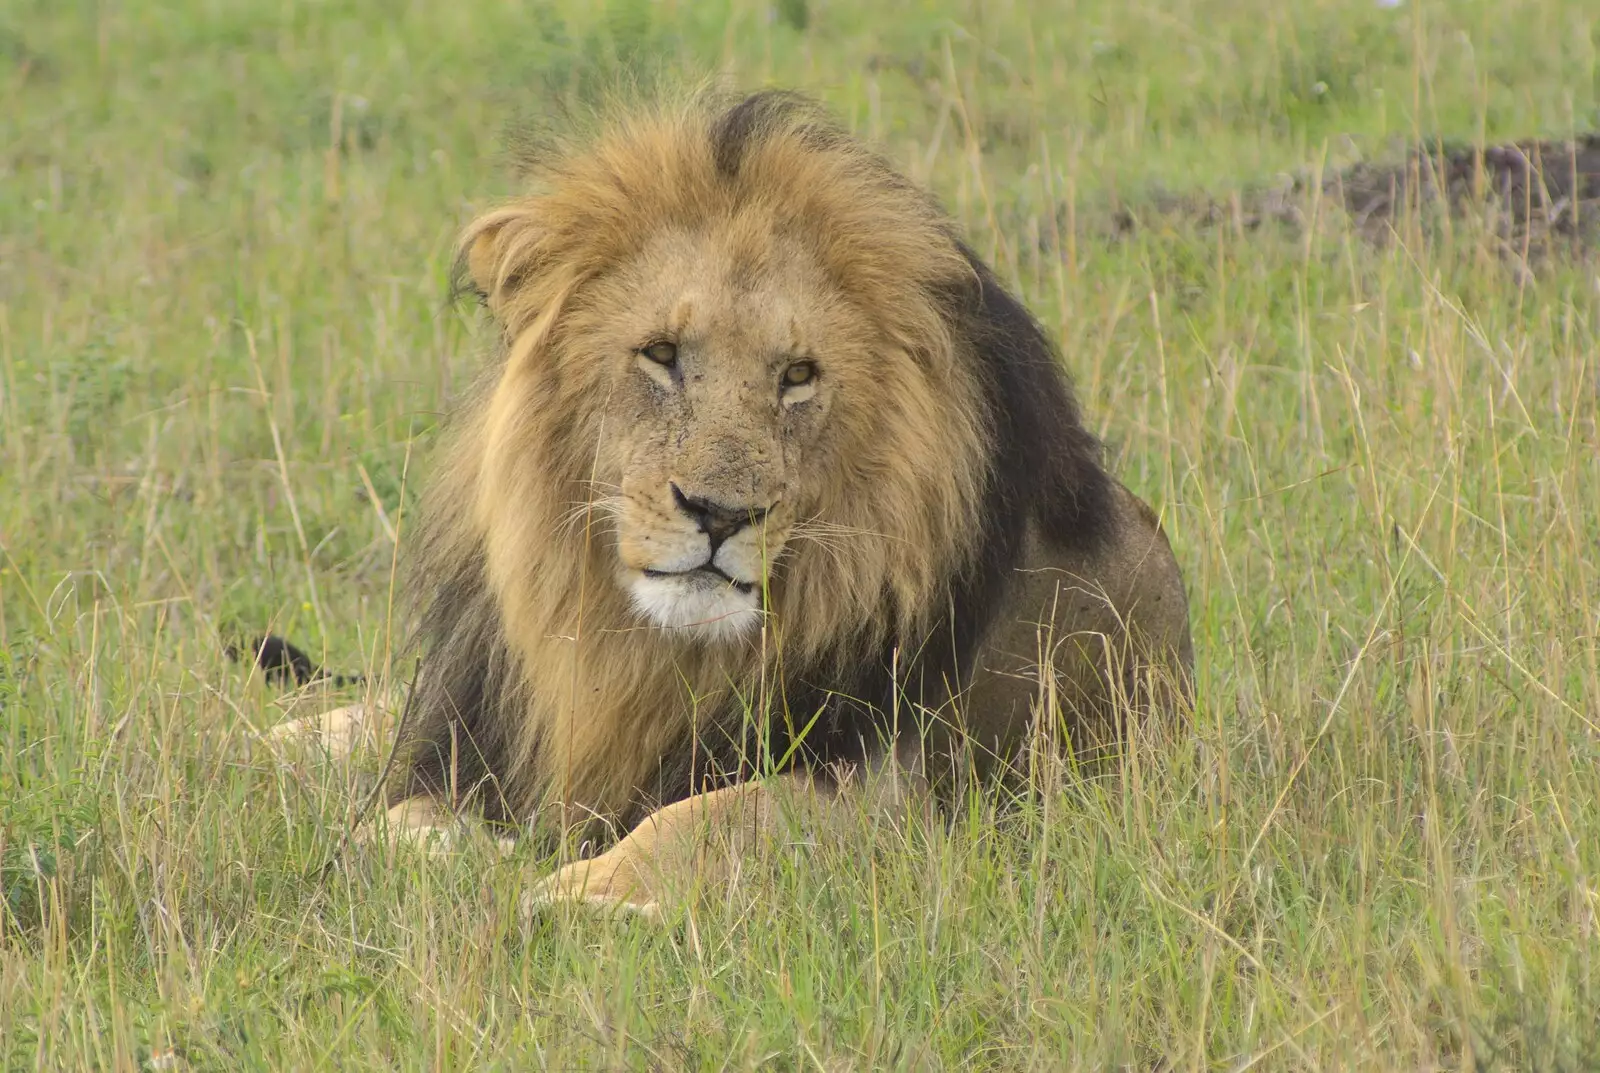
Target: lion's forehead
x=698, y=285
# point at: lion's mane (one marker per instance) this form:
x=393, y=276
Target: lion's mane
x=539, y=683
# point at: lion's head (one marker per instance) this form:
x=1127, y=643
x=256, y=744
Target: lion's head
x=728, y=358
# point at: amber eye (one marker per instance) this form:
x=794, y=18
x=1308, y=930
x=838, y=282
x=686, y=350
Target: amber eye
x=662, y=353
x=799, y=374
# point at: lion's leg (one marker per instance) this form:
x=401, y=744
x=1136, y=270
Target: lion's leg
x=421, y=821
x=705, y=837
x=701, y=835
x=426, y=823
x=340, y=732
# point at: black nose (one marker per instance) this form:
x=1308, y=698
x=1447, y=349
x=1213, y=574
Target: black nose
x=717, y=520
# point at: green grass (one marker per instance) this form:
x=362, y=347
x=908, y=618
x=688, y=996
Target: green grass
x=224, y=238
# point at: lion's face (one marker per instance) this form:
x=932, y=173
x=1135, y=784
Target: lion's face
x=730, y=391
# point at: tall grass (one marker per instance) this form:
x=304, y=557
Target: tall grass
x=224, y=343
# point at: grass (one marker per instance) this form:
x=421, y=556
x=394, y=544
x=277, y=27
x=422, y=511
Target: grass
x=224, y=340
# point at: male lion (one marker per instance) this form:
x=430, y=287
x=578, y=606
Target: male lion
x=772, y=483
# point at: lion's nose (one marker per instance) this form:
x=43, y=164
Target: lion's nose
x=719, y=521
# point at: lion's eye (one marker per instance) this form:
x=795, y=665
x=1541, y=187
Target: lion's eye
x=662, y=353
x=799, y=374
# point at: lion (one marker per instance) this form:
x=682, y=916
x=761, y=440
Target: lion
x=771, y=488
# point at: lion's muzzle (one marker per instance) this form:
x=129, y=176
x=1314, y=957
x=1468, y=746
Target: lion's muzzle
x=699, y=566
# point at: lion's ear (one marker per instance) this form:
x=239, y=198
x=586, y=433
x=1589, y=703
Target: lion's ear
x=483, y=260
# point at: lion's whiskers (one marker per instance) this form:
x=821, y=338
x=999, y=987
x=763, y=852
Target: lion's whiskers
x=606, y=507
x=835, y=550
x=813, y=527
x=832, y=538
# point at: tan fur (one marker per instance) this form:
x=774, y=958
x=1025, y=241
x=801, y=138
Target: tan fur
x=561, y=477
x=339, y=732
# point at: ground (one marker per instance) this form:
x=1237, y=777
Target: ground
x=225, y=340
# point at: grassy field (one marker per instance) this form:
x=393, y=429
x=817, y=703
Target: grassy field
x=225, y=230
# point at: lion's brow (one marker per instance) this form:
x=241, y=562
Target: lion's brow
x=681, y=313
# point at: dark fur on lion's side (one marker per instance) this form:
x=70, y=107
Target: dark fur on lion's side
x=1043, y=468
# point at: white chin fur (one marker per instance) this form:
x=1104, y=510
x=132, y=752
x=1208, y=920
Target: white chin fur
x=704, y=606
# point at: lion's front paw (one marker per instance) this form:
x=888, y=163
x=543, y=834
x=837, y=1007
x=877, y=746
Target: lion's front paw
x=610, y=881
x=340, y=733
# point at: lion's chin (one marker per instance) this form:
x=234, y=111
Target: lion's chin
x=704, y=605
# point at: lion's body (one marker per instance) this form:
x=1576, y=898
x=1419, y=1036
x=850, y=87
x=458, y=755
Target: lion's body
x=770, y=474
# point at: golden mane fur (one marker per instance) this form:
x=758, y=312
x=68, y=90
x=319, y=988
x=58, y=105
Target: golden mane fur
x=541, y=684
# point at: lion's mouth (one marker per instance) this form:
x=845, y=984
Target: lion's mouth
x=704, y=601
x=706, y=576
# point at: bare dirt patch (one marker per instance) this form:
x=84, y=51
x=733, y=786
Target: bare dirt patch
x=1530, y=197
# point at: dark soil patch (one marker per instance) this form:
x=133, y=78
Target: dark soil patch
x=1528, y=197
